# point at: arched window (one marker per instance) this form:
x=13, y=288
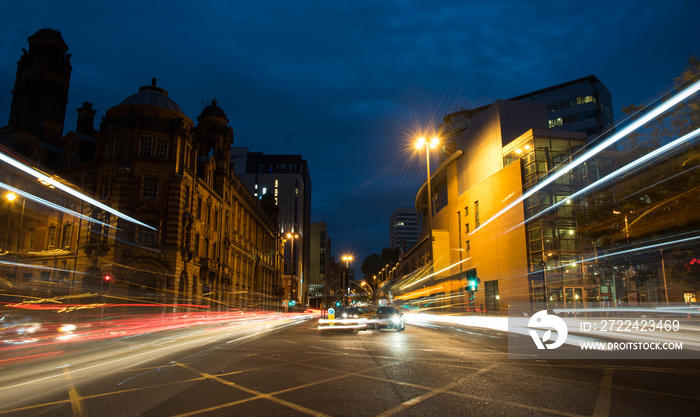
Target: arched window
x=51, y=238
x=66, y=236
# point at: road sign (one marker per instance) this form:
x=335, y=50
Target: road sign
x=331, y=313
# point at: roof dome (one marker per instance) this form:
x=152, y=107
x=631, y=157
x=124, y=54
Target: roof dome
x=47, y=33
x=150, y=95
x=213, y=110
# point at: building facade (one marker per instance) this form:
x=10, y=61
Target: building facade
x=582, y=105
x=403, y=228
x=286, y=180
x=202, y=241
x=490, y=157
x=319, y=264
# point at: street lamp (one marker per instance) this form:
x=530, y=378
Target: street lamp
x=292, y=236
x=346, y=285
x=12, y=197
x=420, y=144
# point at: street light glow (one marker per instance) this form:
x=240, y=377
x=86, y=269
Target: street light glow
x=11, y=196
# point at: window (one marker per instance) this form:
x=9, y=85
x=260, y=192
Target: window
x=106, y=188
x=162, y=148
x=51, y=240
x=32, y=234
x=67, y=232
x=150, y=187
x=477, y=223
x=146, y=147
x=72, y=156
x=146, y=237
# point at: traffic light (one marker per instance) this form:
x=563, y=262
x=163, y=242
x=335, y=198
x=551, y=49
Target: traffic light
x=337, y=303
x=473, y=284
x=107, y=278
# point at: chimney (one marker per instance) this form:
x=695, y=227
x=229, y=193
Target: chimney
x=86, y=119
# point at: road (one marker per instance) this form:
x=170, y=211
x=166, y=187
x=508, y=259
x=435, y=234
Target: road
x=289, y=369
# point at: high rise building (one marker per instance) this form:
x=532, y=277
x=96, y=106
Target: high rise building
x=403, y=228
x=286, y=180
x=319, y=261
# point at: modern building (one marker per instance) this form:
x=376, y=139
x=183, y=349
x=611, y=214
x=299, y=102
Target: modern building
x=403, y=228
x=490, y=157
x=201, y=238
x=319, y=261
x=582, y=105
x=286, y=180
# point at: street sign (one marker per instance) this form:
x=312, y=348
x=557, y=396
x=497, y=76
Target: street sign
x=331, y=313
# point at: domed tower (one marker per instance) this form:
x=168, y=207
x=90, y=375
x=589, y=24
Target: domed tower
x=144, y=145
x=39, y=97
x=214, y=139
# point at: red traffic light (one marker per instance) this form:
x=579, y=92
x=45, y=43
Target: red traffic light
x=107, y=277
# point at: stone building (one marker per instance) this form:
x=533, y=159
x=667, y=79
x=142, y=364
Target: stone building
x=203, y=240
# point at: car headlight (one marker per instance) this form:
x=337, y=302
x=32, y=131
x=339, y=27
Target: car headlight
x=396, y=320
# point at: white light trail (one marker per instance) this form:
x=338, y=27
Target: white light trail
x=51, y=205
x=666, y=148
x=552, y=176
x=43, y=177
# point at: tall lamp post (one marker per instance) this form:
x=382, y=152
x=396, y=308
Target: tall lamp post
x=346, y=285
x=428, y=145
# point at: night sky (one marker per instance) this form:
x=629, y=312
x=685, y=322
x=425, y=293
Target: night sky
x=348, y=84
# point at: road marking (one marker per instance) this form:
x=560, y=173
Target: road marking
x=602, y=404
x=432, y=393
x=76, y=401
x=256, y=393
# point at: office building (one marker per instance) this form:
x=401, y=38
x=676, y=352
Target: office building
x=403, y=228
x=285, y=179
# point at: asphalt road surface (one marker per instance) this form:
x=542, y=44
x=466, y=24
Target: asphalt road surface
x=292, y=370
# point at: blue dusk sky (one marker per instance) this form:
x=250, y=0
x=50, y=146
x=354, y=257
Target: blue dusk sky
x=347, y=85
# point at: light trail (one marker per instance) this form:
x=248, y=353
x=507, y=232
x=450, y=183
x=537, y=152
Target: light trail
x=636, y=249
x=553, y=176
x=435, y=273
x=49, y=204
x=45, y=178
x=634, y=164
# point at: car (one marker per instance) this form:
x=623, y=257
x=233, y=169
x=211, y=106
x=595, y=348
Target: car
x=352, y=319
x=389, y=318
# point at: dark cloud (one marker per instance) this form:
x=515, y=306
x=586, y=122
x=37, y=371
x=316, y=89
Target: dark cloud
x=346, y=84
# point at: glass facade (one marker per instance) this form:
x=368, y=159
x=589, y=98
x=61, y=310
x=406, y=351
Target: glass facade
x=561, y=264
